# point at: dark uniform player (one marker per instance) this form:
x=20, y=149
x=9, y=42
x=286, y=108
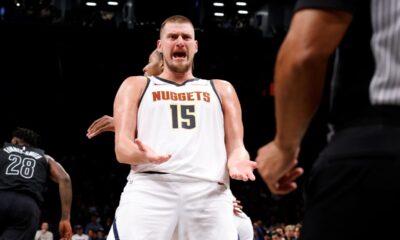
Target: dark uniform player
x=24, y=171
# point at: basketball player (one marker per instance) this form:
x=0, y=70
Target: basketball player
x=183, y=137
x=106, y=124
x=243, y=223
x=24, y=170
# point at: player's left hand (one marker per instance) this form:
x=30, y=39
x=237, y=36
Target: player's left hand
x=65, y=230
x=242, y=169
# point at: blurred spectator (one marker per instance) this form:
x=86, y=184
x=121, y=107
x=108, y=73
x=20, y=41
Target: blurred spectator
x=259, y=230
x=94, y=223
x=44, y=233
x=79, y=235
x=101, y=234
x=289, y=232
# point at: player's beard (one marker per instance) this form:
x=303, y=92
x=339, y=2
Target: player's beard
x=181, y=68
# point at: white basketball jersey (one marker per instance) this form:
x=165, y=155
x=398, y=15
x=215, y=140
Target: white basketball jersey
x=186, y=121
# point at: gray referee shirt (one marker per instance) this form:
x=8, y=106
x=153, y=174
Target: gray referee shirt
x=385, y=44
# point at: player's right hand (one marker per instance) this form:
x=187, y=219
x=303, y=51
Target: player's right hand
x=149, y=155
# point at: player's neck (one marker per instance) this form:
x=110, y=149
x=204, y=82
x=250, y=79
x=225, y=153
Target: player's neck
x=176, y=77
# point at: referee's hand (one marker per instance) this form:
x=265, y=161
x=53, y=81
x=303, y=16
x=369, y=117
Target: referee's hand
x=65, y=230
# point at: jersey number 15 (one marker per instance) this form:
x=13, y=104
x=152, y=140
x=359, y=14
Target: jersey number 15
x=183, y=116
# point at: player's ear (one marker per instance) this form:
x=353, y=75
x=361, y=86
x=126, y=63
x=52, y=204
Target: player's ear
x=159, y=47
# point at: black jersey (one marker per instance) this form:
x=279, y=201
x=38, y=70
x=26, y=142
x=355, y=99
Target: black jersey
x=23, y=169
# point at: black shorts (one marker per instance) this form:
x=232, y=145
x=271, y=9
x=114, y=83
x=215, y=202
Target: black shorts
x=353, y=191
x=19, y=216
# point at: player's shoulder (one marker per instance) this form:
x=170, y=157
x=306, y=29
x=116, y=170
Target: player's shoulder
x=134, y=83
x=221, y=83
x=48, y=157
x=135, y=80
x=222, y=86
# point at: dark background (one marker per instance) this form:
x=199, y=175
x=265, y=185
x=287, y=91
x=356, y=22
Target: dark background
x=62, y=63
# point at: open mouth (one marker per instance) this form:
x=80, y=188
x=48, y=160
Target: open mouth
x=179, y=55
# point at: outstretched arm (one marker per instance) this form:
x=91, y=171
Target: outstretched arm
x=239, y=165
x=60, y=176
x=128, y=149
x=100, y=125
x=299, y=79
